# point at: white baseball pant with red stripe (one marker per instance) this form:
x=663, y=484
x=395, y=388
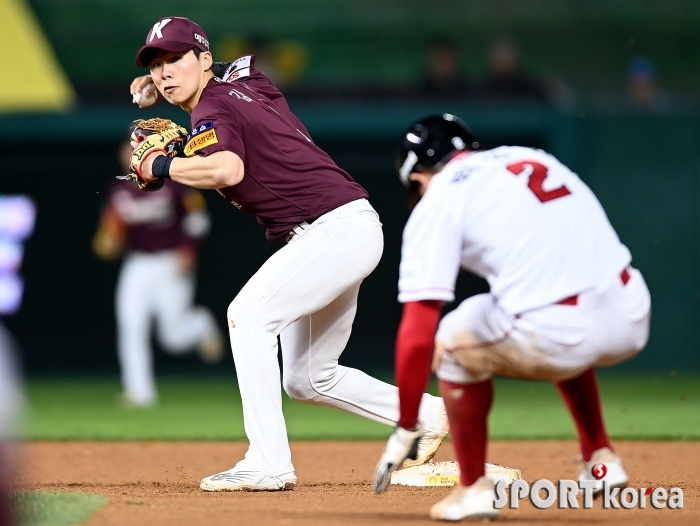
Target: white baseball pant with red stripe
x=556, y=342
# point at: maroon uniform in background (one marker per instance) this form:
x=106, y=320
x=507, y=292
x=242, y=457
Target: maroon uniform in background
x=288, y=179
x=155, y=221
x=158, y=232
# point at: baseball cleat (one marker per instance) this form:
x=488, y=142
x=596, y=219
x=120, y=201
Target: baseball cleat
x=605, y=468
x=431, y=439
x=402, y=445
x=240, y=478
x=465, y=502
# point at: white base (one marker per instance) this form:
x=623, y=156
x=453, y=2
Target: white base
x=447, y=474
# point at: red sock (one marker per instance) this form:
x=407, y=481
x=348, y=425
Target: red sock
x=468, y=407
x=583, y=400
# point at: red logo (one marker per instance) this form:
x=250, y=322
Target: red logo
x=599, y=471
x=648, y=491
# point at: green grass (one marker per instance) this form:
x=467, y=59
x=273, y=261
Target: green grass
x=50, y=508
x=636, y=407
x=189, y=409
x=639, y=407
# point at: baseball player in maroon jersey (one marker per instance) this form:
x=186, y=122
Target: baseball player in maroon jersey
x=563, y=298
x=246, y=144
x=157, y=233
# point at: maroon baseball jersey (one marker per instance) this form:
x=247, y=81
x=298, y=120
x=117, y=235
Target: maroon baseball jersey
x=288, y=179
x=153, y=220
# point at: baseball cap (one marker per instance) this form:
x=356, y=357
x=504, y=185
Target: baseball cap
x=172, y=33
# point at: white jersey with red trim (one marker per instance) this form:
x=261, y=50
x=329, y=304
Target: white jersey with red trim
x=517, y=217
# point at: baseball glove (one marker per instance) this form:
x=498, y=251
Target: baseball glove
x=149, y=136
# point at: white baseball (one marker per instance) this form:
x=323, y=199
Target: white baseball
x=146, y=97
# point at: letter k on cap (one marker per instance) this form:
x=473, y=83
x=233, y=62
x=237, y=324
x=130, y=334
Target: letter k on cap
x=157, y=29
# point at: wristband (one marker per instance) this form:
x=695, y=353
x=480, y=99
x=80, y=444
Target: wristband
x=161, y=167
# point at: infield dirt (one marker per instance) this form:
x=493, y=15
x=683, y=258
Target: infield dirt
x=157, y=483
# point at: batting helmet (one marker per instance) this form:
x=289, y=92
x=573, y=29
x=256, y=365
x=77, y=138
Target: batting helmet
x=429, y=143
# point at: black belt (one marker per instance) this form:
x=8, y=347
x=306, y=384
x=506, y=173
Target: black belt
x=296, y=231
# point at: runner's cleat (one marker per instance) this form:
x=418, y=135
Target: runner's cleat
x=475, y=501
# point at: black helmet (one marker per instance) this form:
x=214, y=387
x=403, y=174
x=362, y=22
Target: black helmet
x=429, y=142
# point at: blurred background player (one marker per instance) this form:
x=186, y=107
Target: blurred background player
x=157, y=233
x=563, y=298
x=17, y=215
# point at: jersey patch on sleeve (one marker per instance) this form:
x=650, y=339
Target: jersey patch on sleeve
x=201, y=136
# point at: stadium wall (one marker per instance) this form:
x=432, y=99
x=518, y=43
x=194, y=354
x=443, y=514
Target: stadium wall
x=644, y=168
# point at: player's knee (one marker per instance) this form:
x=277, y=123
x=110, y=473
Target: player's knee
x=447, y=328
x=247, y=314
x=298, y=388
x=452, y=371
x=239, y=312
x=323, y=381
x=172, y=340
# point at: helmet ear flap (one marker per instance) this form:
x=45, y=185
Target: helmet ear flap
x=407, y=167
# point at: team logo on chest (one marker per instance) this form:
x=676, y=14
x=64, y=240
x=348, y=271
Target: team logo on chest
x=200, y=136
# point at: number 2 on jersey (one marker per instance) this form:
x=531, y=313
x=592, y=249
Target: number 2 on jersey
x=537, y=177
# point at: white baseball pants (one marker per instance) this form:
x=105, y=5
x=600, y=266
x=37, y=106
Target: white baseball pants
x=151, y=285
x=557, y=342
x=307, y=294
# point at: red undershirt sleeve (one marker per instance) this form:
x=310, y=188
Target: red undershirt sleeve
x=414, y=352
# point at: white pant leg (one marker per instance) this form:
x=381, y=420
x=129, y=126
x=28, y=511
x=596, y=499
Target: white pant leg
x=477, y=322
x=550, y=343
x=311, y=347
x=333, y=255
x=181, y=325
x=603, y=329
x=134, y=300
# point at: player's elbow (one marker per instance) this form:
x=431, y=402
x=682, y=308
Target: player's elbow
x=229, y=171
